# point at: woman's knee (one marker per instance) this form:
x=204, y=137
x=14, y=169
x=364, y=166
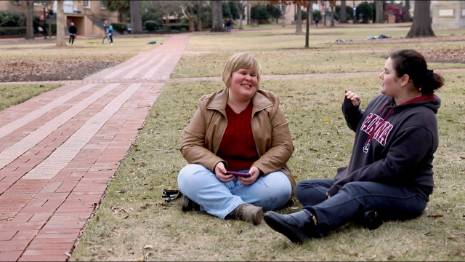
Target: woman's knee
x=278, y=191
x=312, y=192
x=190, y=175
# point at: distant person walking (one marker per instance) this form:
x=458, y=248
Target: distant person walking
x=72, y=30
x=108, y=30
x=42, y=28
x=228, y=25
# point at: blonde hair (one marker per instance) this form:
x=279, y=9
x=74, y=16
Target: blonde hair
x=239, y=61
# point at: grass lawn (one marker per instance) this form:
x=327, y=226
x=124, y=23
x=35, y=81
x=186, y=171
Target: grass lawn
x=90, y=48
x=14, y=94
x=134, y=223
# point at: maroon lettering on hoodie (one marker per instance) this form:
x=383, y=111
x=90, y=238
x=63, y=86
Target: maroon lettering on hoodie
x=376, y=128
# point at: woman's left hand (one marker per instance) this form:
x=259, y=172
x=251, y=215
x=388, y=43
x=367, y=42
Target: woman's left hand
x=254, y=173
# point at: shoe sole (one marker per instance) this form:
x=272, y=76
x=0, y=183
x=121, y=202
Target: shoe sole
x=285, y=230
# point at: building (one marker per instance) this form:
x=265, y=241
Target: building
x=87, y=15
x=448, y=14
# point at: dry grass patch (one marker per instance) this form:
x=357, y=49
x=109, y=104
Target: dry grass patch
x=280, y=51
x=39, y=61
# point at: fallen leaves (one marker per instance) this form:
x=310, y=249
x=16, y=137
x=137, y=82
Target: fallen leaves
x=57, y=69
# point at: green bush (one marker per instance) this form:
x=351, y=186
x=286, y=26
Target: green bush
x=260, y=14
x=304, y=15
x=151, y=15
x=120, y=28
x=274, y=11
x=349, y=13
x=11, y=19
x=173, y=28
x=316, y=15
x=16, y=30
x=365, y=12
x=151, y=25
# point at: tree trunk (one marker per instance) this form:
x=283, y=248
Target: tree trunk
x=283, y=15
x=61, y=24
x=240, y=6
x=199, y=15
x=406, y=12
x=248, y=12
x=136, y=20
x=217, y=16
x=29, y=19
x=298, y=21
x=343, y=13
x=191, y=24
x=379, y=11
x=307, y=24
x=332, y=16
x=324, y=14
x=421, y=26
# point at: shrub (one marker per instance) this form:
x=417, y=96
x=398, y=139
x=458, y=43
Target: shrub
x=11, y=19
x=151, y=25
x=173, y=28
x=304, y=15
x=151, y=15
x=316, y=15
x=16, y=30
x=120, y=28
x=365, y=12
x=349, y=13
x=260, y=14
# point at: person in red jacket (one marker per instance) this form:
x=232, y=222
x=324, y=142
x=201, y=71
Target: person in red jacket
x=390, y=173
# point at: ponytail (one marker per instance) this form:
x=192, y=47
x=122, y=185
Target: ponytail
x=412, y=63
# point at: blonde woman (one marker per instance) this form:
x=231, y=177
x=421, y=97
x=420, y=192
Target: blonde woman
x=237, y=144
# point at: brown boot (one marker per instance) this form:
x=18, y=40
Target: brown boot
x=249, y=213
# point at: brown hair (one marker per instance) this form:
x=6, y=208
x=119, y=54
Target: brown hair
x=412, y=63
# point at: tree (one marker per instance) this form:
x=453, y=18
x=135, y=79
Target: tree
x=29, y=19
x=307, y=24
x=332, y=5
x=421, y=26
x=298, y=22
x=122, y=6
x=406, y=12
x=241, y=8
x=217, y=16
x=136, y=19
x=379, y=5
x=343, y=13
x=61, y=23
x=198, y=5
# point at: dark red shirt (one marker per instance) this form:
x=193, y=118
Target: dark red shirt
x=237, y=147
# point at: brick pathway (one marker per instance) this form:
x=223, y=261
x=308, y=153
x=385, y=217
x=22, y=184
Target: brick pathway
x=59, y=150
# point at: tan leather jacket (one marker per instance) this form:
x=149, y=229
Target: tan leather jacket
x=201, y=138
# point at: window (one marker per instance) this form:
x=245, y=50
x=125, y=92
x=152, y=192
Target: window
x=86, y=3
x=446, y=12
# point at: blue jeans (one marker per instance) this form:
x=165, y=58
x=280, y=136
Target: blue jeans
x=355, y=198
x=217, y=198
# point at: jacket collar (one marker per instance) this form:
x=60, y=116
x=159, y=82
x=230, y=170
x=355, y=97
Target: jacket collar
x=220, y=99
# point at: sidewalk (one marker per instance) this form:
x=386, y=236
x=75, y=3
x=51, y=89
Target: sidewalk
x=59, y=150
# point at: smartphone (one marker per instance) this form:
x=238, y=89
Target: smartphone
x=237, y=173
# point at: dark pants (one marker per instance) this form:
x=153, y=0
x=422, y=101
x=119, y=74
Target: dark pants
x=355, y=198
x=71, y=39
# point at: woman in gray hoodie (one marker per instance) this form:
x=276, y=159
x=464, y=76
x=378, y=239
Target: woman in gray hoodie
x=390, y=173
